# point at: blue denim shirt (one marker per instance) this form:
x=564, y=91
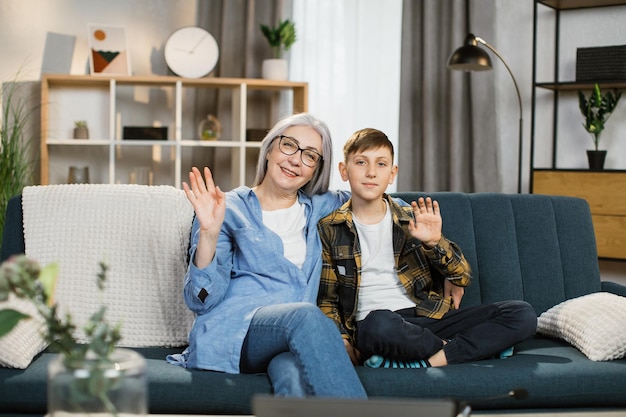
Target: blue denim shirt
x=248, y=271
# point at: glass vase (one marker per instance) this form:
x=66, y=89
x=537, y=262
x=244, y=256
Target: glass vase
x=210, y=128
x=114, y=388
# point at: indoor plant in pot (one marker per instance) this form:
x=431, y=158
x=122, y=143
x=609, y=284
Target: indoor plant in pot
x=280, y=38
x=81, y=131
x=16, y=157
x=85, y=378
x=596, y=110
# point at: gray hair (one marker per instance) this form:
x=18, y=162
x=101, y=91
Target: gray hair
x=321, y=177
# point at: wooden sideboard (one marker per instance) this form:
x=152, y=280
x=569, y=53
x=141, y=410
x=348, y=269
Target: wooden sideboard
x=605, y=191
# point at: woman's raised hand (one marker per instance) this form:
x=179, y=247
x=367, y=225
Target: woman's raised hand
x=207, y=199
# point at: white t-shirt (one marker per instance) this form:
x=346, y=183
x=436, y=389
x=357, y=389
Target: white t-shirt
x=380, y=286
x=289, y=224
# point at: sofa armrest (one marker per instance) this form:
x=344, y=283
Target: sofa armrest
x=13, y=233
x=614, y=288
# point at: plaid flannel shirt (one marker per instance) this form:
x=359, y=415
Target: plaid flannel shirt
x=421, y=270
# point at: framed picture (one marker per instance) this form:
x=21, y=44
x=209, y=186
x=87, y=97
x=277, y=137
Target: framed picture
x=108, y=50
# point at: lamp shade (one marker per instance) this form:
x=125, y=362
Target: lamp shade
x=470, y=57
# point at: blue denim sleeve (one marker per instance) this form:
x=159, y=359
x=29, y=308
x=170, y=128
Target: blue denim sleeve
x=330, y=201
x=205, y=288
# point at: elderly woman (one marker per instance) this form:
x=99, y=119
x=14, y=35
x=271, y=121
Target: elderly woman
x=255, y=268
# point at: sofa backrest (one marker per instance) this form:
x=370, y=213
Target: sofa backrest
x=529, y=247
x=12, y=234
x=521, y=246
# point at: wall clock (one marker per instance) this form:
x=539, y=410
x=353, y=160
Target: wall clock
x=191, y=52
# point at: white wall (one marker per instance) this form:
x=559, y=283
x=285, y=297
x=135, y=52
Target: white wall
x=513, y=40
x=24, y=24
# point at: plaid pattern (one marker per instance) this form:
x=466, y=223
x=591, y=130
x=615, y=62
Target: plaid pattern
x=421, y=270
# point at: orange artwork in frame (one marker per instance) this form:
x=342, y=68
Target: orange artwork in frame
x=108, y=50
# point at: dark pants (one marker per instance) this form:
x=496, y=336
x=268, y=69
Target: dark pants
x=472, y=333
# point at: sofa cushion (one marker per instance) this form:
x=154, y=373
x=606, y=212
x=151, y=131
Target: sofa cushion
x=555, y=374
x=26, y=340
x=595, y=324
x=140, y=232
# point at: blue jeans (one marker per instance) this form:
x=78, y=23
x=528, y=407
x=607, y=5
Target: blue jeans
x=473, y=333
x=302, y=352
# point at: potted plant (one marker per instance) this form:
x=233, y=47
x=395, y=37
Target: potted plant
x=85, y=378
x=81, y=131
x=280, y=39
x=596, y=110
x=16, y=162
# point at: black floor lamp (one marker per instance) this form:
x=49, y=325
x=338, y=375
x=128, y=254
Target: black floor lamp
x=470, y=57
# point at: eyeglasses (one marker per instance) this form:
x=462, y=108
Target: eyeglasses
x=290, y=146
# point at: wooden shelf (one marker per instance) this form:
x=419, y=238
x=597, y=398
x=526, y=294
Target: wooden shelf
x=574, y=86
x=254, y=83
x=579, y=4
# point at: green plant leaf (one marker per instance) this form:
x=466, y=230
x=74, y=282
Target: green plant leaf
x=280, y=37
x=25, y=279
x=48, y=279
x=16, y=144
x=596, y=110
x=9, y=318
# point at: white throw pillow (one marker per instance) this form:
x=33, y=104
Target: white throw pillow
x=595, y=324
x=19, y=347
x=140, y=232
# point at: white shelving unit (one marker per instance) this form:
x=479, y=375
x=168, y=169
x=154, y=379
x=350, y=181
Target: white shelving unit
x=108, y=103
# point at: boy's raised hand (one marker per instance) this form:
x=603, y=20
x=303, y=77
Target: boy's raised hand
x=427, y=224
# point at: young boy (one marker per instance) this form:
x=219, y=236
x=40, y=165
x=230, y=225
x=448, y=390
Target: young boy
x=393, y=283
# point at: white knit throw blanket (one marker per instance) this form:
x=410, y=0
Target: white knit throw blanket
x=140, y=232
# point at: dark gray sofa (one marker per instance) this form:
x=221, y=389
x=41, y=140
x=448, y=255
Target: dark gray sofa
x=532, y=247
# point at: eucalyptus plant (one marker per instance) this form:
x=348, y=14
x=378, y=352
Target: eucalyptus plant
x=25, y=279
x=15, y=160
x=280, y=37
x=596, y=110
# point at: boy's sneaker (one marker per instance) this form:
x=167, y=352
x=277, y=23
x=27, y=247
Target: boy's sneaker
x=377, y=361
x=506, y=353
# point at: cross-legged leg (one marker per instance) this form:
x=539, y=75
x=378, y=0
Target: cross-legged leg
x=471, y=333
x=302, y=351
